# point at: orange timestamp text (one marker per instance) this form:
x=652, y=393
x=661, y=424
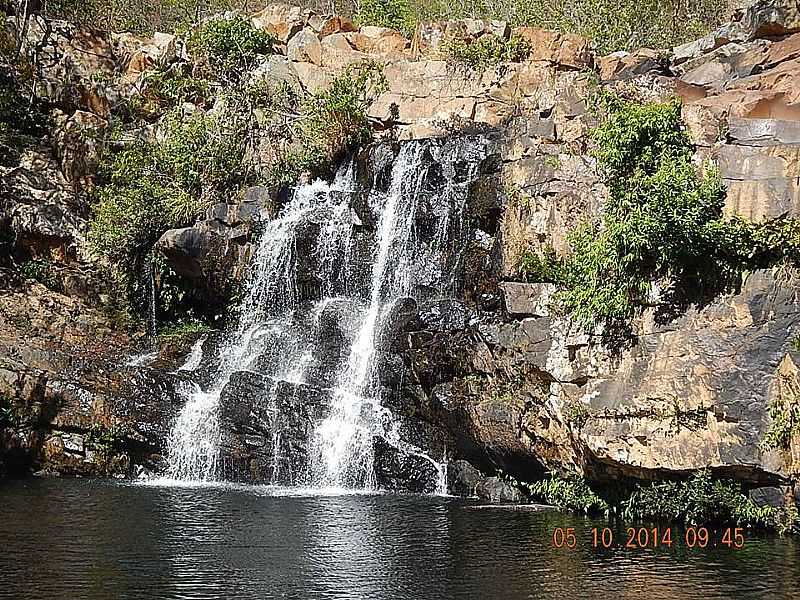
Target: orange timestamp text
x=652, y=537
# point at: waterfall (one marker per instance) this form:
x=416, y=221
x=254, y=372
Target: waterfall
x=326, y=275
x=271, y=295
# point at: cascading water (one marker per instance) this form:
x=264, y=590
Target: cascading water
x=272, y=295
x=326, y=276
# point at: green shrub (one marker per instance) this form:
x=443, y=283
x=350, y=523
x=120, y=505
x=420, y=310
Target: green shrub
x=9, y=417
x=230, y=46
x=699, y=500
x=621, y=25
x=152, y=187
x=785, y=422
x=43, y=272
x=626, y=24
x=102, y=439
x=329, y=122
x=572, y=493
x=178, y=332
x=663, y=222
x=487, y=50
x=172, y=87
x=576, y=414
x=395, y=14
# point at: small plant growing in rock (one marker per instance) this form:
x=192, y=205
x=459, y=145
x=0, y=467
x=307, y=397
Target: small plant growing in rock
x=785, y=422
x=230, y=46
x=8, y=416
x=42, y=271
x=328, y=123
x=178, y=332
x=576, y=414
x=102, y=439
x=395, y=14
x=486, y=51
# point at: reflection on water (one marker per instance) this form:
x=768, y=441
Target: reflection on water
x=99, y=540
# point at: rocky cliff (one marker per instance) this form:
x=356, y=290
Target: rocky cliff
x=495, y=377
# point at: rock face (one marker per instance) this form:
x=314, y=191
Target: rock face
x=492, y=375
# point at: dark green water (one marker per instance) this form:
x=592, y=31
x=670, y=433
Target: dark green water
x=100, y=540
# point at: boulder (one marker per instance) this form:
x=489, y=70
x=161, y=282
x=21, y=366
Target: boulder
x=495, y=490
x=463, y=479
x=561, y=49
x=763, y=132
x=762, y=182
x=276, y=70
x=281, y=20
x=401, y=471
x=136, y=54
x=76, y=145
x=69, y=59
x=305, y=47
x=627, y=65
x=329, y=25
x=766, y=18
x=186, y=249
x=527, y=299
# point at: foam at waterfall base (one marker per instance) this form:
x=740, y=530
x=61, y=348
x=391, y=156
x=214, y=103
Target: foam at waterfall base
x=277, y=491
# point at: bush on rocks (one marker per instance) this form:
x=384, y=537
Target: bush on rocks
x=663, y=222
x=230, y=47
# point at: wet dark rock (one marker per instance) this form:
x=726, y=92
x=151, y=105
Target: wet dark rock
x=443, y=315
x=403, y=472
x=463, y=479
x=495, y=490
x=266, y=428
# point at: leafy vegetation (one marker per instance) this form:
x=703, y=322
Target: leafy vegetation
x=701, y=499
x=178, y=332
x=154, y=186
x=102, y=439
x=576, y=414
x=42, y=271
x=486, y=50
x=324, y=125
x=626, y=24
x=785, y=422
x=174, y=86
x=623, y=25
x=9, y=417
x=229, y=46
x=662, y=223
x=143, y=16
x=395, y=14
x=572, y=493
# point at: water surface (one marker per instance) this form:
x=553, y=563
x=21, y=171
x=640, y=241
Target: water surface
x=94, y=539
